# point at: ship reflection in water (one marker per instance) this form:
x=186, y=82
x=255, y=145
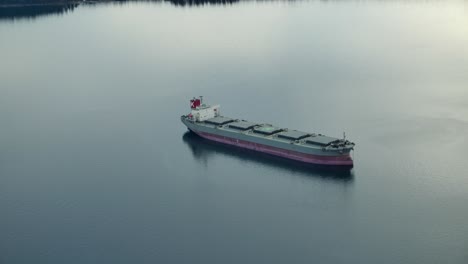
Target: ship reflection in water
x=203, y=149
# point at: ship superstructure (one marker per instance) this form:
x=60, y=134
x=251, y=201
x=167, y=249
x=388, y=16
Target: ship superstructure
x=207, y=122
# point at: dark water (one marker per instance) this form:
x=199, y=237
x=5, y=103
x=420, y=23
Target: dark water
x=95, y=166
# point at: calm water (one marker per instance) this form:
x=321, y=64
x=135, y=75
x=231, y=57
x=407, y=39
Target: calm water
x=95, y=166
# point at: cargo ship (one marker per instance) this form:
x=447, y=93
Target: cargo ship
x=207, y=122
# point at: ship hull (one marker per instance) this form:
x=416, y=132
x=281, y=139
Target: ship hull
x=288, y=151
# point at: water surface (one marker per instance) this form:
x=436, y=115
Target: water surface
x=95, y=166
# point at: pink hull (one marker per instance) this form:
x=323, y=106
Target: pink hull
x=309, y=158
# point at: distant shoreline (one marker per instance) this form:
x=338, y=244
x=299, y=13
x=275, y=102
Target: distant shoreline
x=20, y=4
x=39, y=4
x=29, y=3
x=18, y=9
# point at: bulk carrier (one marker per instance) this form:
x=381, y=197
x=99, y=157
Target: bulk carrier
x=207, y=122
